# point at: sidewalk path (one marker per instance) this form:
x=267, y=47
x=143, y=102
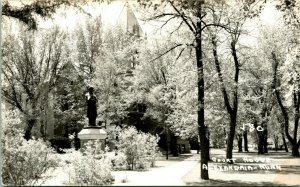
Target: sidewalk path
x=170, y=175
x=289, y=175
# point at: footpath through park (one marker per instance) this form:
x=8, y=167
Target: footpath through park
x=167, y=172
x=187, y=172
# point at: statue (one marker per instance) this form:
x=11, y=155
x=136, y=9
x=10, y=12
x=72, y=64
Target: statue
x=92, y=131
x=92, y=107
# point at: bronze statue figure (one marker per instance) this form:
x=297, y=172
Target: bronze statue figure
x=92, y=107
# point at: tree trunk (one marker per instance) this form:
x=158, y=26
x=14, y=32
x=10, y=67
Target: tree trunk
x=225, y=136
x=276, y=142
x=30, y=124
x=76, y=141
x=260, y=146
x=265, y=139
x=204, y=146
x=198, y=144
x=230, y=139
x=245, y=141
x=208, y=139
x=296, y=99
x=240, y=142
x=174, y=149
x=295, y=149
x=284, y=143
x=167, y=143
x=232, y=110
x=262, y=143
x=204, y=152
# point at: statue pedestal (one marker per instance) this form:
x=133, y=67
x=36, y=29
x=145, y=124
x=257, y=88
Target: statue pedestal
x=92, y=133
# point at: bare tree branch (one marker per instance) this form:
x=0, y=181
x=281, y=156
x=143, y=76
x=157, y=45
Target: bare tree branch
x=177, y=28
x=164, y=53
x=192, y=29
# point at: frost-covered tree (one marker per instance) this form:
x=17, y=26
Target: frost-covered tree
x=31, y=65
x=285, y=77
x=27, y=12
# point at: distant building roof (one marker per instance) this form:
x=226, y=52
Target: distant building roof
x=128, y=21
x=120, y=12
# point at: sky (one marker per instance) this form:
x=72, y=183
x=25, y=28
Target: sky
x=269, y=17
x=110, y=13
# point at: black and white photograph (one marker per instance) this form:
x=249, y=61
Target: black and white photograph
x=150, y=92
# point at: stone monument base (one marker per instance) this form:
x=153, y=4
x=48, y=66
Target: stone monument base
x=92, y=133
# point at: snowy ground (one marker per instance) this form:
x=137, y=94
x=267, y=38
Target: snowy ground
x=289, y=175
x=185, y=170
x=166, y=172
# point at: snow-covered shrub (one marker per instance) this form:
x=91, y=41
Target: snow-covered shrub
x=90, y=167
x=112, y=133
x=25, y=162
x=151, y=150
x=118, y=161
x=140, y=148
